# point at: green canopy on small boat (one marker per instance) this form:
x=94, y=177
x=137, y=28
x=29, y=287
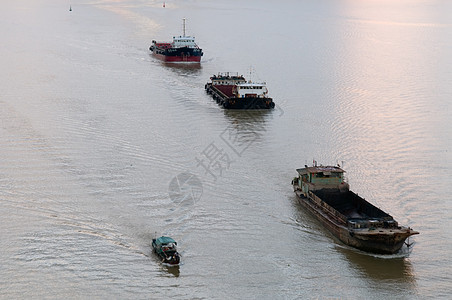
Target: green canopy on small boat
x=163, y=240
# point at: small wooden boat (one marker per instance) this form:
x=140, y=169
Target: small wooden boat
x=166, y=248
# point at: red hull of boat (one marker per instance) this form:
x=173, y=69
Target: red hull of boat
x=178, y=58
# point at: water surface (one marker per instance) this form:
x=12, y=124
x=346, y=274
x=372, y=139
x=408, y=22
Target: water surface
x=94, y=130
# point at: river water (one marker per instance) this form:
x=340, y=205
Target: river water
x=103, y=147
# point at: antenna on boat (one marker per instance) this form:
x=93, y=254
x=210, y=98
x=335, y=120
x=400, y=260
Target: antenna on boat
x=251, y=73
x=183, y=25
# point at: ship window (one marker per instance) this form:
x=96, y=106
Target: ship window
x=327, y=174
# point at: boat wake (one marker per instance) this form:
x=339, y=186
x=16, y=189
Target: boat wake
x=404, y=252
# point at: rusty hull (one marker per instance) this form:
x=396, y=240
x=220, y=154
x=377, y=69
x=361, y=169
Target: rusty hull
x=375, y=240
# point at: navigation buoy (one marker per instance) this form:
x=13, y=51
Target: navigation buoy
x=70, y=8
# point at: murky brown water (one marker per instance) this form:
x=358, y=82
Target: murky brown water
x=97, y=135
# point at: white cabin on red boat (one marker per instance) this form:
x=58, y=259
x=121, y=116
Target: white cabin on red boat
x=250, y=89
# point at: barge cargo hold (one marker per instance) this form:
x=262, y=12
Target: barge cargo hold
x=233, y=92
x=356, y=222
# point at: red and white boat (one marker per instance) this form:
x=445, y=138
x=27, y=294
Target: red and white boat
x=233, y=92
x=182, y=49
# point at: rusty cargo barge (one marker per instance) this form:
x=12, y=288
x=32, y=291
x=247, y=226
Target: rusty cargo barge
x=232, y=91
x=350, y=218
